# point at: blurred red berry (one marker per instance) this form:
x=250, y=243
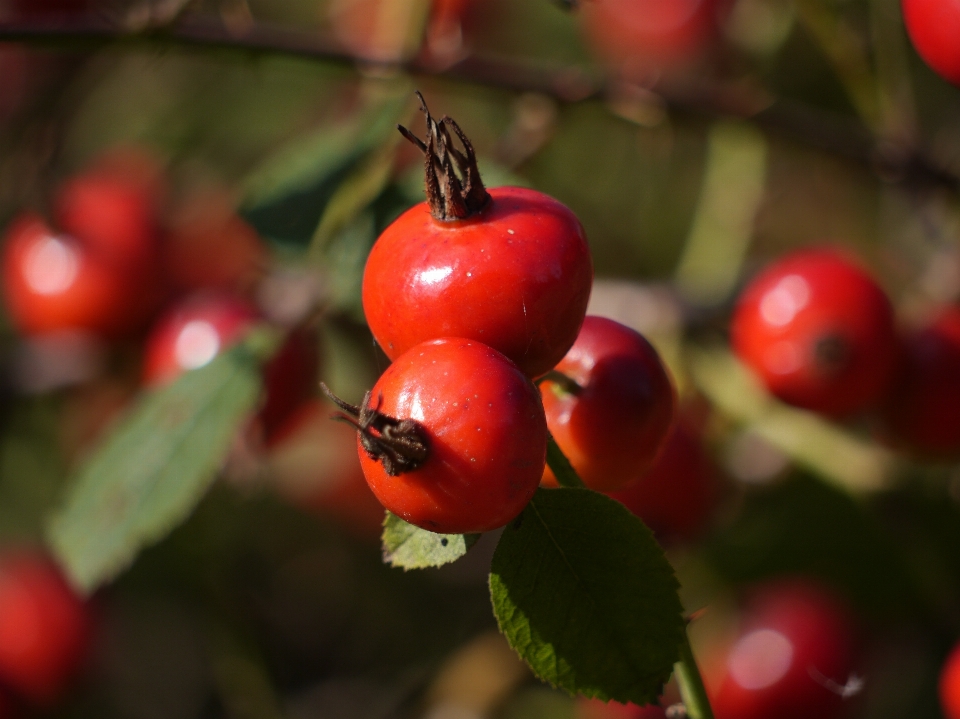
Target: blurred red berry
x=613, y=427
x=819, y=332
x=596, y=709
x=194, y=332
x=55, y=282
x=934, y=26
x=677, y=495
x=950, y=685
x=638, y=36
x=921, y=410
x=209, y=246
x=44, y=628
x=793, y=658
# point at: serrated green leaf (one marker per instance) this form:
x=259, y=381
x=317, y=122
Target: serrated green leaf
x=153, y=470
x=586, y=597
x=410, y=547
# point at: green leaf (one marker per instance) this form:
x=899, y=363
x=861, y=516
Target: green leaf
x=153, y=470
x=586, y=597
x=410, y=547
x=287, y=196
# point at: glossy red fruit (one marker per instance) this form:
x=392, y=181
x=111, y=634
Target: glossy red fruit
x=482, y=425
x=637, y=35
x=516, y=277
x=934, y=26
x=44, y=628
x=819, y=332
x=921, y=410
x=613, y=427
x=950, y=685
x=793, y=659
x=678, y=494
x=191, y=334
x=54, y=282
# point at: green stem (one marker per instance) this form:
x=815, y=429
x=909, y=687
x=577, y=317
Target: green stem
x=560, y=466
x=692, y=690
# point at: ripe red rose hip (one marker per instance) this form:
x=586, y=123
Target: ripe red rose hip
x=453, y=437
x=934, y=28
x=819, y=332
x=950, y=685
x=509, y=268
x=793, y=659
x=43, y=629
x=613, y=421
x=921, y=410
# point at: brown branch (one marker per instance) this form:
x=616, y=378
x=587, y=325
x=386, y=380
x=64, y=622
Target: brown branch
x=838, y=135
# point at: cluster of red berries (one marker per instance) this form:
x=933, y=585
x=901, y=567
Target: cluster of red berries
x=111, y=264
x=474, y=294
x=821, y=334
x=44, y=630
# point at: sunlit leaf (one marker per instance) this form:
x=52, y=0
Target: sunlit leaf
x=410, y=547
x=587, y=598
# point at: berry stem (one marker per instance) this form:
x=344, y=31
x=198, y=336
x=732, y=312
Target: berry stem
x=692, y=690
x=560, y=466
x=400, y=445
x=452, y=178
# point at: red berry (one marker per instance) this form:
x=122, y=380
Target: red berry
x=516, y=277
x=639, y=35
x=921, y=410
x=793, y=658
x=209, y=246
x=934, y=26
x=43, y=628
x=676, y=497
x=55, y=282
x=596, y=709
x=472, y=433
x=514, y=273
x=612, y=427
x=819, y=332
x=198, y=329
x=950, y=685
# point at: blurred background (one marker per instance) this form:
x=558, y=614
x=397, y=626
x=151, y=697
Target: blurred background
x=176, y=172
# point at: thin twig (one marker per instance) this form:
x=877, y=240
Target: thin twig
x=842, y=136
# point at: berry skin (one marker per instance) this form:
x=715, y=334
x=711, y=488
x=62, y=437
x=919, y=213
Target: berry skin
x=44, y=629
x=934, y=26
x=819, y=332
x=793, y=658
x=613, y=427
x=676, y=497
x=483, y=429
x=515, y=276
x=950, y=685
x=191, y=334
x=596, y=709
x=921, y=410
x=54, y=282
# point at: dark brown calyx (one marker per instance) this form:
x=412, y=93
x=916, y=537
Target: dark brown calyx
x=399, y=444
x=831, y=353
x=454, y=188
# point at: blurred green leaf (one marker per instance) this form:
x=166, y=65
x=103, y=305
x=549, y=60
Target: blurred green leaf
x=410, y=547
x=586, y=597
x=151, y=472
x=288, y=195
